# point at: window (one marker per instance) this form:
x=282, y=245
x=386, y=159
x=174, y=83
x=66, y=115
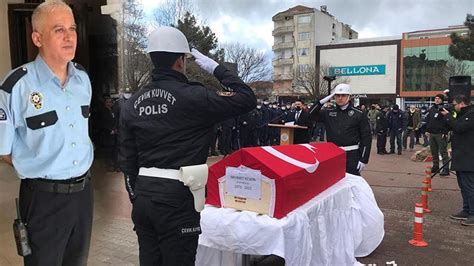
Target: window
x=303, y=36
x=303, y=52
x=277, y=55
x=288, y=53
x=334, y=25
x=303, y=68
x=304, y=19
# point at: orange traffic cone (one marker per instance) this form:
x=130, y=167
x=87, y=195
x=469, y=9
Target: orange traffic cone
x=428, y=178
x=417, y=240
x=424, y=197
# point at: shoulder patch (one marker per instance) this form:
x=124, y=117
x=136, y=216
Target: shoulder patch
x=13, y=78
x=225, y=93
x=79, y=66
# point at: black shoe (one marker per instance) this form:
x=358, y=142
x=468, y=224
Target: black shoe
x=391, y=152
x=444, y=173
x=399, y=152
x=434, y=169
x=462, y=215
x=469, y=221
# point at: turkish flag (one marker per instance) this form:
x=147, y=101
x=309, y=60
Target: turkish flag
x=300, y=172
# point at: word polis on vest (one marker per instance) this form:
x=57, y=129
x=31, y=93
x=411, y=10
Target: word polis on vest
x=154, y=109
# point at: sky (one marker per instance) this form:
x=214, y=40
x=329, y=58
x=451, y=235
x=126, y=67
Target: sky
x=250, y=21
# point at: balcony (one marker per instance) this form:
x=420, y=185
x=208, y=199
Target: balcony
x=283, y=29
x=283, y=45
x=283, y=61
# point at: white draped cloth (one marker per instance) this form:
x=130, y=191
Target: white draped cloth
x=333, y=228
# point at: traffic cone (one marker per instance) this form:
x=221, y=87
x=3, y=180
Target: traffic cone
x=417, y=240
x=428, y=178
x=424, y=197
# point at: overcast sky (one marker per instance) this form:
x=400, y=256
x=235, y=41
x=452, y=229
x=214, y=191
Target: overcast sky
x=250, y=21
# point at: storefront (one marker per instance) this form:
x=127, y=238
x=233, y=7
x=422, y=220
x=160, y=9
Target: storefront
x=370, y=67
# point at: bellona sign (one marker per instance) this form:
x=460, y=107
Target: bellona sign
x=357, y=70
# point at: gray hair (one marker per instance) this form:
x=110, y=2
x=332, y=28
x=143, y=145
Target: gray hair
x=45, y=8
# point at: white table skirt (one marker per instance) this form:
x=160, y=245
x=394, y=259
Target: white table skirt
x=333, y=228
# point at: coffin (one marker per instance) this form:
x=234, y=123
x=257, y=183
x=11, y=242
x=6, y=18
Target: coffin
x=274, y=180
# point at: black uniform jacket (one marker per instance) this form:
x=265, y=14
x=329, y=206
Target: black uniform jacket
x=168, y=123
x=345, y=127
x=463, y=139
x=381, y=124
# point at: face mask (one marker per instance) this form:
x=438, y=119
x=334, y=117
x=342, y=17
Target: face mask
x=259, y=107
x=288, y=107
x=265, y=103
x=298, y=108
x=283, y=108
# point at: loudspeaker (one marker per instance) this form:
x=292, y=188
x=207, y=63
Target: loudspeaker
x=459, y=85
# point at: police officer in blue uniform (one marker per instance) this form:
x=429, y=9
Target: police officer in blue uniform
x=44, y=135
x=164, y=126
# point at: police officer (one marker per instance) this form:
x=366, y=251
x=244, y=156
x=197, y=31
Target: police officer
x=164, y=127
x=346, y=126
x=44, y=111
x=381, y=127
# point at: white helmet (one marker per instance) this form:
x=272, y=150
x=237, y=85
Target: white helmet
x=167, y=39
x=342, y=89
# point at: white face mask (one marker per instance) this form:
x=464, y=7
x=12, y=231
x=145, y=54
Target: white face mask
x=259, y=107
x=283, y=108
x=288, y=107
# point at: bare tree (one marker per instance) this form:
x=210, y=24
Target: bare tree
x=251, y=63
x=310, y=79
x=168, y=13
x=456, y=67
x=136, y=63
x=440, y=72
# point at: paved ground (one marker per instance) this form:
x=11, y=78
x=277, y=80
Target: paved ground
x=395, y=180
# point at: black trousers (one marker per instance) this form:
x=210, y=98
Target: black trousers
x=59, y=226
x=381, y=142
x=166, y=222
x=466, y=184
x=352, y=160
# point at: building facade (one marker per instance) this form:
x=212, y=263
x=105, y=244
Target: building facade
x=426, y=63
x=296, y=33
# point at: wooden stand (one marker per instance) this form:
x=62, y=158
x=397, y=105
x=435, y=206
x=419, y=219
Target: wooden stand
x=286, y=133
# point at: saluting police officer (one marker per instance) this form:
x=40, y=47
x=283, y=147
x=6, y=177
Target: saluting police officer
x=44, y=113
x=164, y=127
x=346, y=126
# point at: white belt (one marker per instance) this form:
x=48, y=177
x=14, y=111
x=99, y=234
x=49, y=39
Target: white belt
x=193, y=176
x=160, y=172
x=346, y=148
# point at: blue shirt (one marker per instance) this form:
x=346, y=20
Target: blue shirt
x=43, y=125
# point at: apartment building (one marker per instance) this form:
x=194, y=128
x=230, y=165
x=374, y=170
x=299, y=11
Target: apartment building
x=296, y=33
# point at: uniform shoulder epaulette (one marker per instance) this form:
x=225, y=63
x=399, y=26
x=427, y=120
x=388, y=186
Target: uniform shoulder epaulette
x=13, y=78
x=79, y=66
x=357, y=109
